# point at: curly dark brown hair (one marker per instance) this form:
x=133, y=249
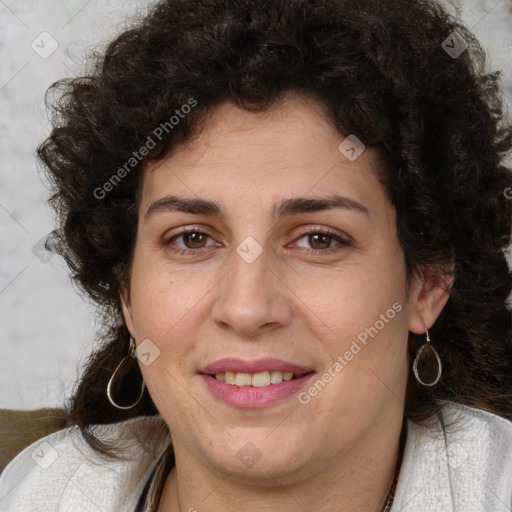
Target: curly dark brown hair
x=382, y=73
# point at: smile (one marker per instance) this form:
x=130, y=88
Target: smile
x=258, y=380
x=249, y=396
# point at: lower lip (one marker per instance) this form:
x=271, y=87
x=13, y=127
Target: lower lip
x=248, y=397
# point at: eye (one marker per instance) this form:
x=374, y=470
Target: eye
x=192, y=239
x=322, y=240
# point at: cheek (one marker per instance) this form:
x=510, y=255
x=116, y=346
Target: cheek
x=360, y=317
x=164, y=299
x=351, y=299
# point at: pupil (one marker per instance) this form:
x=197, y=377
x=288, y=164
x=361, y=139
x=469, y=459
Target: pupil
x=315, y=239
x=193, y=238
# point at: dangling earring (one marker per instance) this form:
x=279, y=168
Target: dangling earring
x=427, y=346
x=109, y=385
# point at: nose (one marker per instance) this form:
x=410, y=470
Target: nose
x=252, y=298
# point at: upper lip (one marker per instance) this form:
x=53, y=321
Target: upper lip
x=233, y=364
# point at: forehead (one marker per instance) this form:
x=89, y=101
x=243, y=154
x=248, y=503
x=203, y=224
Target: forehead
x=241, y=156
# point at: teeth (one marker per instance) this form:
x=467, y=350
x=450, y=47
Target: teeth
x=257, y=380
x=276, y=377
x=243, y=379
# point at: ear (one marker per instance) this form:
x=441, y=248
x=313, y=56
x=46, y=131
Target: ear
x=428, y=298
x=124, y=295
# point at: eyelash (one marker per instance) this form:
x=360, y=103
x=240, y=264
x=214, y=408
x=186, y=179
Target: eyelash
x=323, y=231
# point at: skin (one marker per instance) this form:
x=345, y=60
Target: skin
x=339, y=451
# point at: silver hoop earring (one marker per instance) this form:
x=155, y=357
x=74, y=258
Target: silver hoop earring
x=427, y=346
x=109, y=385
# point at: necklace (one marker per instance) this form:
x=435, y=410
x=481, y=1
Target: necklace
x=387, y=506
x=391, y=497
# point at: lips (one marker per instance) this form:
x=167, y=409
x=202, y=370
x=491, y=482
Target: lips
x=235, y=365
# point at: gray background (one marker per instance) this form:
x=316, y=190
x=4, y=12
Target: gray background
x=46, y=328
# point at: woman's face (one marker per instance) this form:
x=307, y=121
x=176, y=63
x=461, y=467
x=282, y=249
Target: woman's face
x=252, y=281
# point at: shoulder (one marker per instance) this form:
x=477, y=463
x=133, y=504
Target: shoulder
x=472, y=427
x=478, y=435
x=460, y=461
x=61, y=472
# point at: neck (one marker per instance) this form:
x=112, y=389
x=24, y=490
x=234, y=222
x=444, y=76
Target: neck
x=355, y=484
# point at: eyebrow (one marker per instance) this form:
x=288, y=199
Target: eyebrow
x=286, y=207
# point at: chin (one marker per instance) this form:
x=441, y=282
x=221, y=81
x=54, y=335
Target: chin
x=256, y=455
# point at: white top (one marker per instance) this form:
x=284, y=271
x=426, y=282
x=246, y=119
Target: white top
x=463, y=463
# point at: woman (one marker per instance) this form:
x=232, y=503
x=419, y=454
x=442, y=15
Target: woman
x=292, y=216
